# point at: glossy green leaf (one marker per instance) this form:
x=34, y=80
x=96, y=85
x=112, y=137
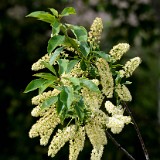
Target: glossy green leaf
x=83, y=65
x=90, y=85
x=34, y=84
x=67, y=11
x=71, y=65
x=55, y=27
x=67, y=96
x=79, y=32
x=48, y=76
x=73, y=43
x=84, y=48
x=54, y=42
x=45, y=85
x=54, y=11
x=79, y=109
x=50, y=67
x=75, y=81
x=103, y=55
x=63, y=63
x=43, y=16
x=49, y=101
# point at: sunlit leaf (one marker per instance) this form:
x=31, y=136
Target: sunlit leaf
x=79, y=32
x=43, y=16
x=34, y=84
x=63, y=63
x=55, y=54
x=54, y=42
x=54, y=11
x=103, y=55
x=67, y=11
x=75, y=81
x=55, y=27
x=84, y=48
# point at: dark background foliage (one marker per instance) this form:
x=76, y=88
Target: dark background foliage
x=24, y=40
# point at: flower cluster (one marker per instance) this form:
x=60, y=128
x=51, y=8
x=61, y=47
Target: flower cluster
x=95, y=33
x=76, y=99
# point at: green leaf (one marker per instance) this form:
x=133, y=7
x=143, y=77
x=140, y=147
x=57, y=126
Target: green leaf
x=72, y=42
x=54, y=11
x=55, y=54
x=45, y=85
x=71, y=64
x=50, y=67
x=75, y=81
x=34, y=84
x=79, y=32
x=63, y=63
x=49, y=101
x=84, y=48
x=54, y=42
x=67, y=11
x=103, y=55
x=55, y=27
x=83, y=65
x=67, y=96
x=79, y=108
x=43, y=16
x=90, y=85
x=48, y=76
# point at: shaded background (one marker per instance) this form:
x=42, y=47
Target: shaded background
x=24, y=40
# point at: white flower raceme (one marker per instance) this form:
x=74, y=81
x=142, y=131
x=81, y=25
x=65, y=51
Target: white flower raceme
x=59, y=140
x=117, y=121
x=94, y=34
x=95, y=129
x=117, y=51
x=76, y=144
x=92, y=99
x=45, y=126
x=112, y=109
x=97, y=154
x=123, y=92
x=131, y=65
x=38, y=65
x=106, y=78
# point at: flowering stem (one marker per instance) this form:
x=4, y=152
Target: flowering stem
x=119, y=146
x=138, y=132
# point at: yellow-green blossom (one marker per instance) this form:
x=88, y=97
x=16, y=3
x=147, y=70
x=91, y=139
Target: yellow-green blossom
x=45, y=126
x=117, y=51
x=131, y=65
x=38, y=65
x=96, y=154
x=94, y=34
x=59, y=140
x=123, y=92
x=77, y=143
x=95, y=129
x=106, y=78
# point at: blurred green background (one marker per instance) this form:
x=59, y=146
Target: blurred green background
x=24, y=40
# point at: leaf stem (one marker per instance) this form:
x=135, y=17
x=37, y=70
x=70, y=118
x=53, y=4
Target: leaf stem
x=119, y=146
x=138, y=132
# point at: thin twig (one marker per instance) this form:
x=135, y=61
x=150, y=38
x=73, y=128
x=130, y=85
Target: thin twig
x=119, y=146
x=138, y=132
